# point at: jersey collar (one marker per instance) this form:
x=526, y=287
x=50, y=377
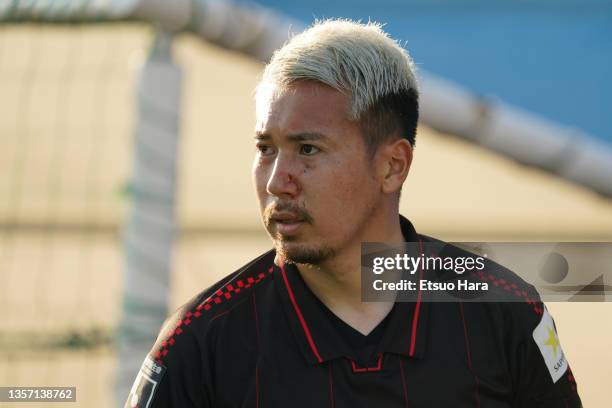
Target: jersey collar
x=320, y=341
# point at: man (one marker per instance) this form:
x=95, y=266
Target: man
x=337, y=110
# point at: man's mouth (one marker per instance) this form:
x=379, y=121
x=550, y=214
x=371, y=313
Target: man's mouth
x=286, y=223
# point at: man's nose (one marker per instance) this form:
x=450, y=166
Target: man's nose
x=283, y=180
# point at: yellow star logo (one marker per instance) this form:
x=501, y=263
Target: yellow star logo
x=552, y=341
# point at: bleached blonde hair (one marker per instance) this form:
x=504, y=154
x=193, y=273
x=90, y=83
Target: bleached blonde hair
x=357, y=58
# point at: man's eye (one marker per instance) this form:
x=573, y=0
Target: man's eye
x=265, y=150
x=308, y=150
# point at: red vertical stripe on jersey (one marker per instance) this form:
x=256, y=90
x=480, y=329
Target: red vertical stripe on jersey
x=469, y=354
x=331, y=385
x=300, y=317
x=257, y=386
x=403, y=381
x=415, y=316
x=256, y=320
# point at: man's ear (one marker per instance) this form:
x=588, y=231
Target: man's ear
x=395, y=159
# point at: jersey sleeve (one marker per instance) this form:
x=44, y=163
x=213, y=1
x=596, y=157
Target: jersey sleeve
x=174, y=379
x=543, y=377
x=178, y=371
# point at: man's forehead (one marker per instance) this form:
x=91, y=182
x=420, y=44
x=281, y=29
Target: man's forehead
x=302, y=107
x=270, y=90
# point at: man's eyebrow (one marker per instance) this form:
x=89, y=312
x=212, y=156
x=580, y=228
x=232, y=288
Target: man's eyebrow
x=262, y=136
x=307, y=136
x=297, y=137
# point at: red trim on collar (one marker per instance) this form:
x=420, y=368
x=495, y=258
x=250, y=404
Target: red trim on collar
x=415, y=316
x=378, y=366
x=300, y=316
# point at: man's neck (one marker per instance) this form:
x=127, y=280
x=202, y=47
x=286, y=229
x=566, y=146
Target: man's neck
x=337, y=282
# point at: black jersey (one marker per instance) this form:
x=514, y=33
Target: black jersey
x=260, y=338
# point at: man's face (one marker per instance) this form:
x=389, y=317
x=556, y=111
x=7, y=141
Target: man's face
x=314, y=179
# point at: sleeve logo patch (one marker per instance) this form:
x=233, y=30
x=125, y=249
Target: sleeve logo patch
x=141, y=394
x=547, y=340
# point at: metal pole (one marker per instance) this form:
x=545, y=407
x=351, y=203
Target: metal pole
x=149, y=233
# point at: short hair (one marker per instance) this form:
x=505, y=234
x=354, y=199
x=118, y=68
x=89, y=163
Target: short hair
x=360, y=59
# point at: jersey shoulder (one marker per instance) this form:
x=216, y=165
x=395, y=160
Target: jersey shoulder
x=517, y=300
x=195, y=316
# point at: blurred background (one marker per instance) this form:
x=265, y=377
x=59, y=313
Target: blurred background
x=126, y=149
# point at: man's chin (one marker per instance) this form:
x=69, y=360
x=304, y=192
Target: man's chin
x=301, y=254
